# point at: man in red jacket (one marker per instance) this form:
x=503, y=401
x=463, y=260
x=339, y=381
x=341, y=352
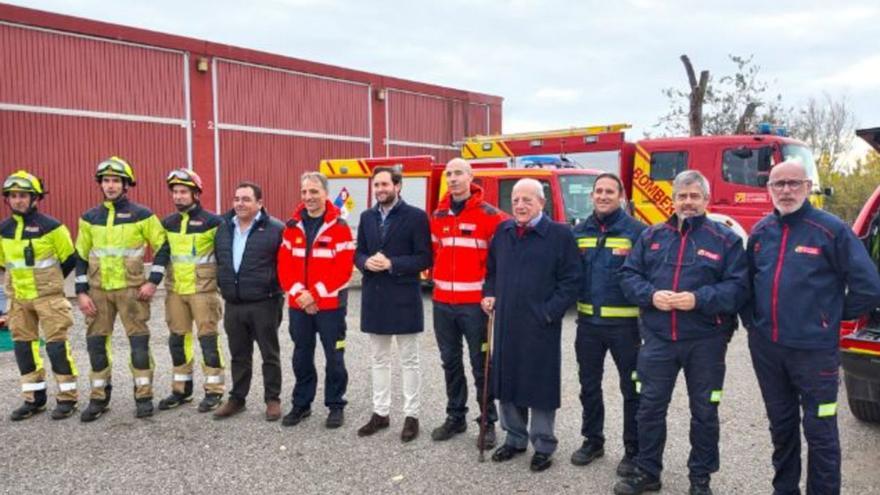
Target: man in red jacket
x=315, y=262
x=461, y=229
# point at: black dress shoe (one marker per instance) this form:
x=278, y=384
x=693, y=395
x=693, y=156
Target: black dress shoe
x=589, y=452
x=296, y=415
x=540, y=462
x=627, y=466
x=335, y=419
x=506, y=453
x=638, y=483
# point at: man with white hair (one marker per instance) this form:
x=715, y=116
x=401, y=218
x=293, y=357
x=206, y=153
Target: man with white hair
x=461, y=229
x=532, y=277
x=686, y=275
x=808, y=271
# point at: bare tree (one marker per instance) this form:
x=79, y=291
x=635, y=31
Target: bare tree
x=827, y=125
x=697, y=96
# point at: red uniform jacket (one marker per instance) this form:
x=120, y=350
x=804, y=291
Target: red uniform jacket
x=329, y=264
x=461, y=243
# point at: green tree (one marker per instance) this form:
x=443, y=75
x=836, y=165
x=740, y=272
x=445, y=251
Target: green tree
x=852, y=187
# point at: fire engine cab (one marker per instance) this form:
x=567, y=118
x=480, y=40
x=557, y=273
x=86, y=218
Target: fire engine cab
x=737, y=166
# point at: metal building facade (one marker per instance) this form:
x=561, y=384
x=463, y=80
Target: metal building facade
x=74, y=91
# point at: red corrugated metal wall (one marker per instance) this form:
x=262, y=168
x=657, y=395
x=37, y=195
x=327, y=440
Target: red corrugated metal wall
x=67, y=102
x=74, y=91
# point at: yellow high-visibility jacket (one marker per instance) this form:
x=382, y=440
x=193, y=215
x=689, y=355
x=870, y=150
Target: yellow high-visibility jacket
x=193, y=265
x=38, y=253
x=111, y=245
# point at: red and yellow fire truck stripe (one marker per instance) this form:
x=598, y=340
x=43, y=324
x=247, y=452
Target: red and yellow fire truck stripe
x=652, y=199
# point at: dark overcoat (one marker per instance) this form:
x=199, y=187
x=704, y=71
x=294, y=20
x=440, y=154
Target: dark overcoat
x=391, y=302
x=534, y=280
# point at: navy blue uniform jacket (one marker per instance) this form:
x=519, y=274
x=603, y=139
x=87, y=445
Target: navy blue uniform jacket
x=704, y=257
x=809, y=271
x=534, y=279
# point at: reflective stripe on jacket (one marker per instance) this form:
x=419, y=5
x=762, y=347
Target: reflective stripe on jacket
x=193, y=265
x=604, y=246
x=112, y=242
x=37, y=252
x=324, y=269
x=461, y=245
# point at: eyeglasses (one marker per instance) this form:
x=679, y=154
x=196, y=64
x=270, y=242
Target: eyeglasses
x=779, y=185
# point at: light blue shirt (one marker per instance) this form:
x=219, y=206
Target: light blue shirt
x=239, y=240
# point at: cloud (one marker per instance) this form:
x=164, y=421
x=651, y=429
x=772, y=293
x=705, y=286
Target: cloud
x=557, y=95
x=863, y=74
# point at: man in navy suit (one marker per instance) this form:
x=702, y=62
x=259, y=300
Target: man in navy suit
x=393, y=248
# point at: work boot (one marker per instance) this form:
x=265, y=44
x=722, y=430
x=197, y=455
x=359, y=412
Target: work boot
x=627, y=465
x=410, y=429
x=589, y=452
x=27, y=410
x=700, y=486
x=448, y=429
x=143, y=408
x=231, y=408
x=335, y=419
x=273, y=410
x=210, y=402
x=173, y=401
x=638, y=483
x=64, y=409
x=296, y=415
x=94, y=410
x=488, y=438
x=375, y=424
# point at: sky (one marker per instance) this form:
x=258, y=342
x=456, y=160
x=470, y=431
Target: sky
x=556, y=63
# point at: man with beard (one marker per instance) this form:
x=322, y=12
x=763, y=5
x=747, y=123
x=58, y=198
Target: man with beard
x=808, y=272
x=393, y=248
x=191, y=295
x=686, y=274
x=37, y=253
x=110, y=280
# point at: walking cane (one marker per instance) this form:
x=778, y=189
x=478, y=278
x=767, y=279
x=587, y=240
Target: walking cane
x=484, y=417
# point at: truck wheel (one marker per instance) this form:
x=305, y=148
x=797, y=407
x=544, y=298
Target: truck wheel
x=865, y=410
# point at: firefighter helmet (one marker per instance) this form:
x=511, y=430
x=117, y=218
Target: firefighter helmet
x=184, y=177
x=117, y=167
x=24, y=181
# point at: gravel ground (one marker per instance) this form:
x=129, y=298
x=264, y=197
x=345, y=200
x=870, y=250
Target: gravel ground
x=182, y=451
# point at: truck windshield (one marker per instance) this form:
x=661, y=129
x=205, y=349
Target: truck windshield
x=576, y=189
x=805, y=156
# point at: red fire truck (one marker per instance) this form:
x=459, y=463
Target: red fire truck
x=737, y=166
x=860, y=341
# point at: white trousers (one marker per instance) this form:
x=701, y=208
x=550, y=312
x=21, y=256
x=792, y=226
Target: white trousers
x=408, y=348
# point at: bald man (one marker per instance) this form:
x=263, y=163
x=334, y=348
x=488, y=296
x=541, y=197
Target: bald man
x=532, y=277
x=461, y=229
x=808, y=271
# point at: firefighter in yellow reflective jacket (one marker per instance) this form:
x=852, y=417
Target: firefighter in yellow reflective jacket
x=192, y=295
x=37, y=252
x=110, y=280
